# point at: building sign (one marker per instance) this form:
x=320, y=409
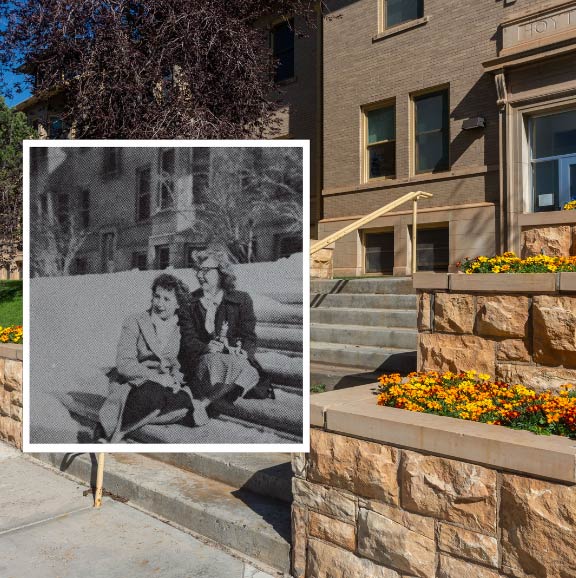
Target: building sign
x=542, y=28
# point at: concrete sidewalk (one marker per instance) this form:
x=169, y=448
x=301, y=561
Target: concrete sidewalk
x=48, y=529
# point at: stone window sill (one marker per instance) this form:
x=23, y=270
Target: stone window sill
x=354, y=412
x=400, y=28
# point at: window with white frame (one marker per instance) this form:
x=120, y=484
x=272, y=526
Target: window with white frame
x=399, y=11
x=552, y=140
x=166, y=166
x=143, y=190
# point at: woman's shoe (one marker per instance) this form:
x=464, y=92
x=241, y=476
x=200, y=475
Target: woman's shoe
x=200, y=415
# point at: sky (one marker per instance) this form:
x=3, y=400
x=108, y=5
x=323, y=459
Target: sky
x=16, y=98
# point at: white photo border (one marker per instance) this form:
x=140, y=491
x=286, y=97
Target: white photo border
x=304, y=446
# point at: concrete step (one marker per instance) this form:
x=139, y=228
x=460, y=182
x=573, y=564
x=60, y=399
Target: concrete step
x=400, y=338
x=381, y=285
x=264, y=474
x=284, y=337
x=370, y=359
x=340, y=377
x=367, y=317
x=283, y=368
x=253, y=525
x=363, y=301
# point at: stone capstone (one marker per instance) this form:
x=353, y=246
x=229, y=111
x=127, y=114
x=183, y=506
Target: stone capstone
x=453, y=313
x=327, y=561
x=453, y=568
x=392, y=544
x=364, y=468
x=502, y=315
x=424, y=312
x=329, y=501
x=467, y=544
x=538, y=523
x=555, y=330
x=443, y=352
x=550, y=240
x=512, y=350
x=457, y=492
x=333, y=531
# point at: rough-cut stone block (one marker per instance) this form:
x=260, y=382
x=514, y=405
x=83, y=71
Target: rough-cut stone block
x=12, y=374
x=321, y=264
x=299, y=541
x=539, y=378
x=512, y=350
x=424, y=312
x=11, y=431
x=419, y=524
x=5, y=400
x=334, y=531
x=454, y=313
x=299, y=465
x=364, y=468
x=326, y=561
x=553, y=240
x=554, y=321
x=328, y=501
x=444, y=352
x=390, y=543
x=450, y=490
x=502, y=315
x=453, y=568
x=2, y=363
x=16, y=397
x=538, y=522
x=16, y=412
x=467, y=544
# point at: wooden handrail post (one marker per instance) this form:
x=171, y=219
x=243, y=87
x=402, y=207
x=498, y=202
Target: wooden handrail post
x=414, y=196
x=414, y=233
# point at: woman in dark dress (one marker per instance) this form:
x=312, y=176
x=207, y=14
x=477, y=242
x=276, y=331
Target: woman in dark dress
x=218, y=335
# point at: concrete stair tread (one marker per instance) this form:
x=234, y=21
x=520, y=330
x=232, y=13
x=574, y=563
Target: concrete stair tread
x=368, y=309
x=365, y=328
x=267, y=474
x=348, y=346
x=254, y=525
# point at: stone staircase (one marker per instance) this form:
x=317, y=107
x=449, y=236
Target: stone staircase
x=239, y=501
x=361, y=328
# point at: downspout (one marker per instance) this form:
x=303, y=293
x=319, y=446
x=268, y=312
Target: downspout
x=502, y=102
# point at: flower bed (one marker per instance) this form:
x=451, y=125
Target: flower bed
x=510, y=263
x=11, y=334
x=474, y=397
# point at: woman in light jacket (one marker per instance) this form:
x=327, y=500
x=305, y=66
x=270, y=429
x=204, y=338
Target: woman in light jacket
x=147, y=386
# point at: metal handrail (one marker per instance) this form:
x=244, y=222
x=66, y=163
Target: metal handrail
x=414, y=196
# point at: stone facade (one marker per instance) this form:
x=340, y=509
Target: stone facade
x=11, y=394
x=520, y=338
x=321, y=264
x=433, y=517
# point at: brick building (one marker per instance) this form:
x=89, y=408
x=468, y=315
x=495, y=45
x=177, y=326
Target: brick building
x=474, y=102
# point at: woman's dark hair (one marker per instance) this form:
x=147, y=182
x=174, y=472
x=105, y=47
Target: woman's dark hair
x=171, y=283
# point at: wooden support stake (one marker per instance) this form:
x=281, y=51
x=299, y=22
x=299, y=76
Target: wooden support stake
x=99, y=481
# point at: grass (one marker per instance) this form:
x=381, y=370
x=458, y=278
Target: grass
x=10, y=303
x=318, y=388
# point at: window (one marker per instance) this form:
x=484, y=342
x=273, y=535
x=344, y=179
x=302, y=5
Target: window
x=62, y=209
x=399, y=11
x=201, y=174
x=191, y=254
x=85, y=208
x=379, y=252
x=108, y=246
x=553, y=160
x=56, y=129
x=166, y=180
x=432, y=135
x=432, y=249
x=282, y=42
x=162, y=256
x=381, y=142
x=289, y=245
x=143, y=193
x=140, y=260
x=80, y=266
x=110, y=161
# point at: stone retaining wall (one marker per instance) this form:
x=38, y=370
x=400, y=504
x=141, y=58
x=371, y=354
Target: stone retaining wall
x=370, y=509
x=528, y=336
x=11, y=394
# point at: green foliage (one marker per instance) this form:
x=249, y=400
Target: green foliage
x=318, y=388
x=10, y=303
x=14, y=128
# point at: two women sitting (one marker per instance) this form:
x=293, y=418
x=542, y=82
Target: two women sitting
x=183, y=354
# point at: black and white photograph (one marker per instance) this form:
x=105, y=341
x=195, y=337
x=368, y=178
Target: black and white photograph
x=164, y=296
